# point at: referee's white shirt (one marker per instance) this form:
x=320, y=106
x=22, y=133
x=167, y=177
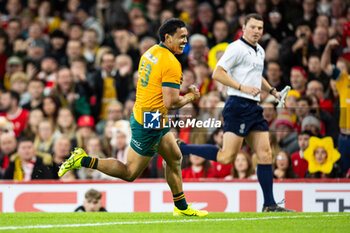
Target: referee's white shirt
x=244, y=63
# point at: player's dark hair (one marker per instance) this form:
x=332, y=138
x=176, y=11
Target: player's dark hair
x=253, y=16
x=169, y=27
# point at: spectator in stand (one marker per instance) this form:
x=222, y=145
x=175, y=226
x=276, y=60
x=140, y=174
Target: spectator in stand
x=298, y=79
x=44, y=139
x=74, y=50
x=140, y=28
x=203, y=78
x=114, y=113
x=61, y=152
x=35, y=91
x=338, y=9
x=315, y=71
x=4, y=53
x=283, y=168
x=89, y=22
x=320, y=38
x=188, y=79
x=108, y=85
x=312, y=124
x=204, y=23
x=286, y=137
x=198, y=167
x=36, y=52
x=322, y=157
x=19, y=84
x=75, y=31
x=13, y=30
x=109, y=13
x=6, y=126
x=199, y=50
x=92, y=202
x=220, y=33
x=125, y=42
x=57, y=44
x=86, y=126
x=26, y=165
x=153, y=13
x=8, y=145
x=34, y=118
x=124, y=66
x=291, y=105
x=121, y=137
x=50, y=108
x=45, y=17
x=274, y=75
x=295, y=49
x=315, y=87
x=299, y=164
x=71, y=93
x=303, y=110
x=146, y=43
x=13, y=64
x=94, y=146
x=243, y=168
x=12, y=111
x=90, y=45
x=270, y=112
x=276, y=26
x=329, y=121
x=48, y=73
x=66, y=125
x=128, y=107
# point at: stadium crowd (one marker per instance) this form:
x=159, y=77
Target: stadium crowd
x=68, y=75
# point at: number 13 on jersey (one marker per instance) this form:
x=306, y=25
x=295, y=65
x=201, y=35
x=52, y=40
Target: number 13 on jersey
x=144, y=73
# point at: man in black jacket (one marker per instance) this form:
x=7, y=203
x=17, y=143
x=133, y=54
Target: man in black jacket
x=26, y=165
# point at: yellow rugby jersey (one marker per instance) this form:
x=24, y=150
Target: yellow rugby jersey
x=343, y=87
x=158, y=67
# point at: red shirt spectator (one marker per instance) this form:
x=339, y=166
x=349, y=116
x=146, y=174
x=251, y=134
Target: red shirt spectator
x=14, y=113
x=222, y=170
x=300, y=165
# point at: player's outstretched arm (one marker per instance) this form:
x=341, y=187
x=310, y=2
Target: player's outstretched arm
x=173, y=100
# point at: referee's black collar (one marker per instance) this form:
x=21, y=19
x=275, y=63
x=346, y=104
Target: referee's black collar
x=244, y=41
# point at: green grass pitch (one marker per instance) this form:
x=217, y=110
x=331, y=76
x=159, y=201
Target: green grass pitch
x=165, y=222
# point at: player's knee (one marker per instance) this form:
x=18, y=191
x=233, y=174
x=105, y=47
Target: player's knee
x=265, y=155
x=226, y=158
x=130, y=178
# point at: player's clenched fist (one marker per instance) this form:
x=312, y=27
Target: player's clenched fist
x=193, y=89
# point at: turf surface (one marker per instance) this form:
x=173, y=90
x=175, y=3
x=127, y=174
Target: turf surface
x=165, y=222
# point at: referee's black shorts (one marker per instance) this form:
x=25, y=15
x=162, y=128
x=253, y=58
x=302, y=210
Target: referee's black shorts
x=243, y=115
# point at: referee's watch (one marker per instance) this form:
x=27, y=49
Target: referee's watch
x=272, y=90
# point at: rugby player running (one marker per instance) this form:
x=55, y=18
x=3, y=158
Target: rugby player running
x=157, y=92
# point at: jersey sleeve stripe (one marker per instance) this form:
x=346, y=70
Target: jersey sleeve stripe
x=336, y=73
x=169, y=84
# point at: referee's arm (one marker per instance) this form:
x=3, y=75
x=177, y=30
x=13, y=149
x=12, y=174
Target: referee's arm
x=221, y=76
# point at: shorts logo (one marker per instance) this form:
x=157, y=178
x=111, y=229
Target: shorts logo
x=151, y=120
x=242, y=127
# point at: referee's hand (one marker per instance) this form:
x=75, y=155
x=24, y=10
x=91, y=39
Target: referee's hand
x=254, y=91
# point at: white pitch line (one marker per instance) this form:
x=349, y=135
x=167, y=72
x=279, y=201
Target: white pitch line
x=166, y=221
